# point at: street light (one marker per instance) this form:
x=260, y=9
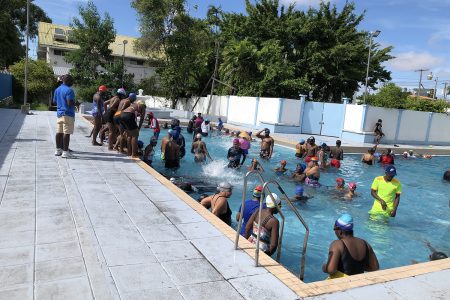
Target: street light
x=373, y=34
x=123, y=59
x=27, y=33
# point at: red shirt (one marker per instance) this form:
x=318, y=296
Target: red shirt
x=387, y=159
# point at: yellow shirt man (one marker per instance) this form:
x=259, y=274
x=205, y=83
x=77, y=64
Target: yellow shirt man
x=386, y=190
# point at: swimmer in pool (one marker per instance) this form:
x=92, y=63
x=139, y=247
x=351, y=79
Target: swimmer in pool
x=351, y=191
x=340, y=184
x=311, y=148
x=300, y=149
x=199, y=149
x=299, y=195
x=267, y=143
x=313, y=173
x=149, y=151
x=387, y=158
x=369, y=158
x=234, y=155
x=282, y=168
x=446, y=175
x=299, y=173
x=256, y=165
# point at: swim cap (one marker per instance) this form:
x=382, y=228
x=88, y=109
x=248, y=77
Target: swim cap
x=132, y=96
x=283, y=162
x=267, y=130
x=311, y=138
x=314, y=159
x=390, y=171
x=199, y=135
x=257, y=191
x=206, y=120
x=299, y=191
x=236, y=142
x=303, y=166
x=250, y=133
x=121, y=91
x=340, y=180
x=150, y=113
x=140, y=144
x=140, y=103
x=324, y=145
x=224, y=187
x=269, y=201
x=302, y=141
x=172, y=179
x=170, y=132
x=102, y=88
x=352, y=186
x=345, y=222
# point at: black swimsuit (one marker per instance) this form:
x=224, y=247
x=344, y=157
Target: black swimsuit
x=226, y=217
x=350, y=266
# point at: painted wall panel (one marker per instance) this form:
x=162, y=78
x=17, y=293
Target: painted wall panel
x=440, y=129
x=290, y=113
x=353, y=118
x=268, y=110
x=413, y=126
x=389, y=117
x=242, y=110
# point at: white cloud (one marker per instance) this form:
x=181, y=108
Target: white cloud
x=409, y=61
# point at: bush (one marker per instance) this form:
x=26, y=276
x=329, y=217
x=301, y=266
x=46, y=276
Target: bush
x=41, y=80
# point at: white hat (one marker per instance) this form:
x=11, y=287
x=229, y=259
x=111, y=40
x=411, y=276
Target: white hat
x=269, y=201
x=199, y=135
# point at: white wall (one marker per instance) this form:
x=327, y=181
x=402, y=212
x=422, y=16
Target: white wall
x=242, y=109
x=413, y=126
x=290, y=113
x=389, y=117
x=268, y=110
x=440, y=129
x=353, y=118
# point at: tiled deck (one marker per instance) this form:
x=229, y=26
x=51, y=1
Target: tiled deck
x=102, y=227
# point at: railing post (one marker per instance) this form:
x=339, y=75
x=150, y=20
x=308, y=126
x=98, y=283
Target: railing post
x=302, y=110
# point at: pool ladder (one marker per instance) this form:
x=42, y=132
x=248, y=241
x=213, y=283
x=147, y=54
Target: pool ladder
x=280, y=239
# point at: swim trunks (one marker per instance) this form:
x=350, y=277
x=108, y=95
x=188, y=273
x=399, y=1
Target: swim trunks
x=335, y=163
x=128, y=120
x=312, y=182
x=264, y=154
x=172, y=163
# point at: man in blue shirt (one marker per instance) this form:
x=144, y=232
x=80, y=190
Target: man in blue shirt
x=250, y=206
x=64, y=98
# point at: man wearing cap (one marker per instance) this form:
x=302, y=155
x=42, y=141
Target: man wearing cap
x=349, y=255
x=250, y=206
x=299, y=173
x=199, y=149
x=234, y=155
x=219, y=202
x=268, y=229
x=97, y=113
x=267, y=143
x=300, y=149
x=386, y=190
x=64, y=98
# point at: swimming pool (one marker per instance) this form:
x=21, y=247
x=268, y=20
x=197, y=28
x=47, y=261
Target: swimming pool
x=423, y=215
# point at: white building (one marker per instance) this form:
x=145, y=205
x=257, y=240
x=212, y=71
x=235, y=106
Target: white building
x=54, y=41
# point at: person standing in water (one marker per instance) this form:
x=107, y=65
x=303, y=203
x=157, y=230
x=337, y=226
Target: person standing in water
x=267, y=144
x=199, y=149
x=336, y=155
x=234, y=155
x=386, y=191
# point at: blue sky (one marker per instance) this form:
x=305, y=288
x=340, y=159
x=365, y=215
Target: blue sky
x=419, y=30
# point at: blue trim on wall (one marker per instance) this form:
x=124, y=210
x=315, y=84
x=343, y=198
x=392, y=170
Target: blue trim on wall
x=430, y=121
x=256, y=111
x=363, y=119
x=399, y=122
x=280, y=109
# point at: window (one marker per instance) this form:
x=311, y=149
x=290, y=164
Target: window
x=59, y=35
x=59, y=31
x=70, y=37
x=137, y=62
x=59, y=52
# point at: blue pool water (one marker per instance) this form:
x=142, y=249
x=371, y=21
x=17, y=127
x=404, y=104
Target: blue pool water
x=423, y=215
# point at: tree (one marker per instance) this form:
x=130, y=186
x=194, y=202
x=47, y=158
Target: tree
x=93, y=64
x=41, y=79
x=12, y=28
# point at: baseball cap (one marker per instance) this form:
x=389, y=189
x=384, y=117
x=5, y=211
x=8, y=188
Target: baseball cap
x=345, y=222
x=390, y=171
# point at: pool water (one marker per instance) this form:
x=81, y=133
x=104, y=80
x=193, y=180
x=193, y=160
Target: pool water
x=423, y=215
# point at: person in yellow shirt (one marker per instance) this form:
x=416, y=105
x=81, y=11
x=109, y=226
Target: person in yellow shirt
x=386, y=190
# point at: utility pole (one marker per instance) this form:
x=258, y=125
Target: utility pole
x=216, y=65
x=372, y=35
x=420, y=80
x=445, y=90
x=27, y=32
x=435, y=87
x=125, y=42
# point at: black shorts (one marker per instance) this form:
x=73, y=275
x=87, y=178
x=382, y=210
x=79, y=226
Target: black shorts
x=128, y=121
x=108, y=115
x=171, y=163
x=116, y=119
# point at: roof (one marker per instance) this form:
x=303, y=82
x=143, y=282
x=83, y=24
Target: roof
x=46, y=39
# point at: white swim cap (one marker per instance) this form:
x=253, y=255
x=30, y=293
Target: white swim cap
x=269, y=201
x=199, y=135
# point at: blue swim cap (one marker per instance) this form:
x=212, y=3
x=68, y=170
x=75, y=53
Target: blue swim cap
x=140, y=144
x=345, y=222
x=303, y=166
x=299, y=191
x=132, y=96
x=302, y=141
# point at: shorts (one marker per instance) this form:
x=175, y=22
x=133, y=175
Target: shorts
x=264, y=154
x=65, y=124
x=108, y=116
x=299, y=155
x=172, y=163
x=335, y=163
x=116, y=118
x=204, y=134
x=128, y=121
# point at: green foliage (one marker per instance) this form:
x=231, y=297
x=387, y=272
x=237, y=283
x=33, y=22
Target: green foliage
x=41, y=80
x=151, y=86
x=12, y=28
x=392, y=96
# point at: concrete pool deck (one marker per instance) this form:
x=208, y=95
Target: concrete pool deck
x=104, y=226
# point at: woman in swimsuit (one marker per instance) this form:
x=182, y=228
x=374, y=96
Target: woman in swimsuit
x=219, y=202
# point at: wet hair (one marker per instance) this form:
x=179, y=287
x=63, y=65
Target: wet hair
x=389, y=151
x=380, y=121
x=68, y=79
x=338, y=142
x=371, y=150
x=446, y=175
x=437, y=255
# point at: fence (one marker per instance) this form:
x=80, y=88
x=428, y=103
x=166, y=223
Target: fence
x=349, y=122
x=5, y=86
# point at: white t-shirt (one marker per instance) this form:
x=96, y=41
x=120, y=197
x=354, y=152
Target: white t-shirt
x=205, y=127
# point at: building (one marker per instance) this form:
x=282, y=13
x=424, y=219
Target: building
x=54, y=42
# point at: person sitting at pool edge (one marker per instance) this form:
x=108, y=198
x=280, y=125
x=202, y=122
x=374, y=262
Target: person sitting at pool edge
x=266, y=144
x=349, y=255
x=250, y=206
x=219, y=202
x=268, y=231
x=340, y=184
x=386, y=190
x=299, y=194
x=351, y=191
x=281, y=169
x=234, y=155
x=300, y=149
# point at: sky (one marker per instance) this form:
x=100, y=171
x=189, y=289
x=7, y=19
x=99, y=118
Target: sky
x=419, y=30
